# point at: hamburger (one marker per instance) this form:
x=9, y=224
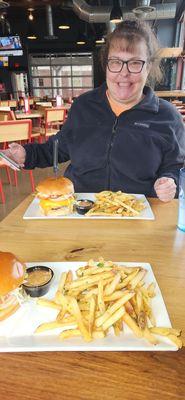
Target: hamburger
x=12, y=272
x=56, y=196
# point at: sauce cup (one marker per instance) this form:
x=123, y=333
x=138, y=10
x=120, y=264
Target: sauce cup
x=38, y=280
x=83, y=206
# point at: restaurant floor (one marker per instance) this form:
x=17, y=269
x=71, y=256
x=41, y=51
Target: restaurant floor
x=14, y=195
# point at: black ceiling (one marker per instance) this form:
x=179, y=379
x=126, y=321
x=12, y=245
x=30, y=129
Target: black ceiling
x=62, y=11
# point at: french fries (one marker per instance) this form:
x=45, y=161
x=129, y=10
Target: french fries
x=116, y=204
x=105, y=296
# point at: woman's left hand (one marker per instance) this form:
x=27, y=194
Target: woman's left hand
x=165, y=188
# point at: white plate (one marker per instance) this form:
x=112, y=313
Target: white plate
x=34, y=211
x=17, y=332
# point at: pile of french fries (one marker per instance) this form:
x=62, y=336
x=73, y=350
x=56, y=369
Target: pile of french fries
x=103, y=297
x=116, y=204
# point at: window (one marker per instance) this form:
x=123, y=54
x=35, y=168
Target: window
x=65, y=74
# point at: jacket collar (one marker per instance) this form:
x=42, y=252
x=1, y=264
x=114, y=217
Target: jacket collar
x=149, y=103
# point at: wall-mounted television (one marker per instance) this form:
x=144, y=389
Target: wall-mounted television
x=10, y=46
x=3, y=61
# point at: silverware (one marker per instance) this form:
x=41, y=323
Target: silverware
x=55, y=158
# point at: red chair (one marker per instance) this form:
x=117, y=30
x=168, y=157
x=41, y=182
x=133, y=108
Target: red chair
x=2, y=192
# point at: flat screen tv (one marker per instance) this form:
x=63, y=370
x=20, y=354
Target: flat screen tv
x=3, y=61
x=10, y=46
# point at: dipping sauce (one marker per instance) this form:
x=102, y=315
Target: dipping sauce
x=84, y=203
x=38, y=280
x=38, y=277
x=83, y=206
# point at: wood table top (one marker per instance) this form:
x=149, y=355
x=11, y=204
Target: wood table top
x=22, y=115
x=170, y=93
x=100, y=375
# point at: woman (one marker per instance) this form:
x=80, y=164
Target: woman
x=119, y=136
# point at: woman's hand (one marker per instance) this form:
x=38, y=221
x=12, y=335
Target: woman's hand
x=16, y=152
x=165, y=188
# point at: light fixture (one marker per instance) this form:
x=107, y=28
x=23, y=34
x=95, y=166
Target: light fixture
x=64, y=27
x=31, y=36
x=116, y=13
x=100, y=40
x=30, y=16
x=81, y=40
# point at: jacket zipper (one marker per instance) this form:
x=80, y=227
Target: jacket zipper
x=110, y=148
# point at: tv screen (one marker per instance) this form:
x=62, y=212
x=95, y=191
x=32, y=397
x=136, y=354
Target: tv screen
x=3, y=61
x=10, y=46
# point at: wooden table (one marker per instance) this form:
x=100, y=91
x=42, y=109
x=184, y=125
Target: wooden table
x=100, y=375
x=22, y=115
x=170, y=93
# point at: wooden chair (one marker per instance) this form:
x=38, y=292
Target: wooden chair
x=13, y=103
x=7, y=115
x=16, y=131
x=53, y=118
x=4, y=103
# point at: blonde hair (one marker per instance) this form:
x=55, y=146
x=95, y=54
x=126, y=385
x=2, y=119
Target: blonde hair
x=133, y=31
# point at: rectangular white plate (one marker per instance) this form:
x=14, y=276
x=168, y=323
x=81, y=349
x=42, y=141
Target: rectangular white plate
x=17, y=332
x=34, y=211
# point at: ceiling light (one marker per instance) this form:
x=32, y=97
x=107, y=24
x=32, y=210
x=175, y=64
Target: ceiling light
x=31, y=33
x=4, y=4
x=30, y=16
x=100, y=41
x=32, y=37
x=81, y=42
x=81, y=38
x=116, y=13
x=64, y=27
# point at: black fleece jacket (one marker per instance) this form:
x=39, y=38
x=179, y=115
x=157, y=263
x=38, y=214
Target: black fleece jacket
x=125, y=153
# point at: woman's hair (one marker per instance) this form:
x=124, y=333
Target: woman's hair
x=133, y=31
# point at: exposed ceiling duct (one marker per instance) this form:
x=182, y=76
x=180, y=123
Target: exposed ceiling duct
x=101, y=14
x=143, y=6
x=4, y=4
x=49, y=19
x=91, y=14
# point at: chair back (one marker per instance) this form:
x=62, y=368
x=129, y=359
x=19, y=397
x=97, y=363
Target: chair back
x=4, y=103
x=13, y=103
x=7, y=115
x=11, y=131
x=55, y=115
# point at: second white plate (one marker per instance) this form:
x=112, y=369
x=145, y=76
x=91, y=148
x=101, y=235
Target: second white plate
x=17, y=331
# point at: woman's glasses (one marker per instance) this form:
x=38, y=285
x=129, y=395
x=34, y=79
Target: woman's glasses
x=133, y=66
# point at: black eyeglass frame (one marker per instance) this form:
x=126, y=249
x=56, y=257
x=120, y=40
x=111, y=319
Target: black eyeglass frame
x=127, y=64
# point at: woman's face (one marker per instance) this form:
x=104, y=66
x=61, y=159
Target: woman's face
x=124, y=86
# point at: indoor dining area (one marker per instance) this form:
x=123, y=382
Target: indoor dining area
x=92, y=199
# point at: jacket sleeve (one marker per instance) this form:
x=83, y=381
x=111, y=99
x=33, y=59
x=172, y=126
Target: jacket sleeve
x=174, y=155
x=41, y=155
